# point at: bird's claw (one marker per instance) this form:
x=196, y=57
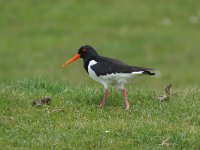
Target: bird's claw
x=100, y=106
x=127, y=107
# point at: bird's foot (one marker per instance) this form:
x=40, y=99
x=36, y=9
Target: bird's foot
x=101, y=106
x=127, y=107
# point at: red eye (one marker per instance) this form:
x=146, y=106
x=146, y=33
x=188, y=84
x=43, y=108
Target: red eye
x=84, y=49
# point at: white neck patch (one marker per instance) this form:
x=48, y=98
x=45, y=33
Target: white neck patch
x=91, y=63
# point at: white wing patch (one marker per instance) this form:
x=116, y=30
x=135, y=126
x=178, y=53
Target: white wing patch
x=121, y=75
x=138, y=72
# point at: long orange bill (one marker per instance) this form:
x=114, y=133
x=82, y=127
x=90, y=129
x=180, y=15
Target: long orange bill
x=72, y=60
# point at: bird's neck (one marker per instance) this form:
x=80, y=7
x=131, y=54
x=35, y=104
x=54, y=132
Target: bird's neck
x=86, y=61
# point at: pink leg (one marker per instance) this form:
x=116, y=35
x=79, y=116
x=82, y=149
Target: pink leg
x=104, y=98
x=125, y=98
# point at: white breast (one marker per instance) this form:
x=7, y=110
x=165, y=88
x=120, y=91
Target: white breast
x=92, y=74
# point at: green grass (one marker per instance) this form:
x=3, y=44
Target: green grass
x=37, y=37
x=73, y=120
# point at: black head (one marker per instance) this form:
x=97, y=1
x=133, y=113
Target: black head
x=87, y=52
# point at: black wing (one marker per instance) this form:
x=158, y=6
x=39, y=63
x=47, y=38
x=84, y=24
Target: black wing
x=107, y=65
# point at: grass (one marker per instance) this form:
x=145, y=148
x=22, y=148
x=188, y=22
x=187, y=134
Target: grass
x=37, y=37
x=73, y=120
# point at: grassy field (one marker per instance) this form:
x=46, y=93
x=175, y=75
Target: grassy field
x=73, y=120
x=37, y=37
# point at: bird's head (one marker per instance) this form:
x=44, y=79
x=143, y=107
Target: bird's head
x=85, y=52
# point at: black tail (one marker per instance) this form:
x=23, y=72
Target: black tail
x=148, y=73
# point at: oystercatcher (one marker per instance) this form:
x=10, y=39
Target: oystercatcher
x=108, y=71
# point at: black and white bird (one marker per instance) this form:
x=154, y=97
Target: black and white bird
x=108, y=71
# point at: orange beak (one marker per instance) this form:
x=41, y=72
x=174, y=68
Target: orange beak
x=72, y=60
